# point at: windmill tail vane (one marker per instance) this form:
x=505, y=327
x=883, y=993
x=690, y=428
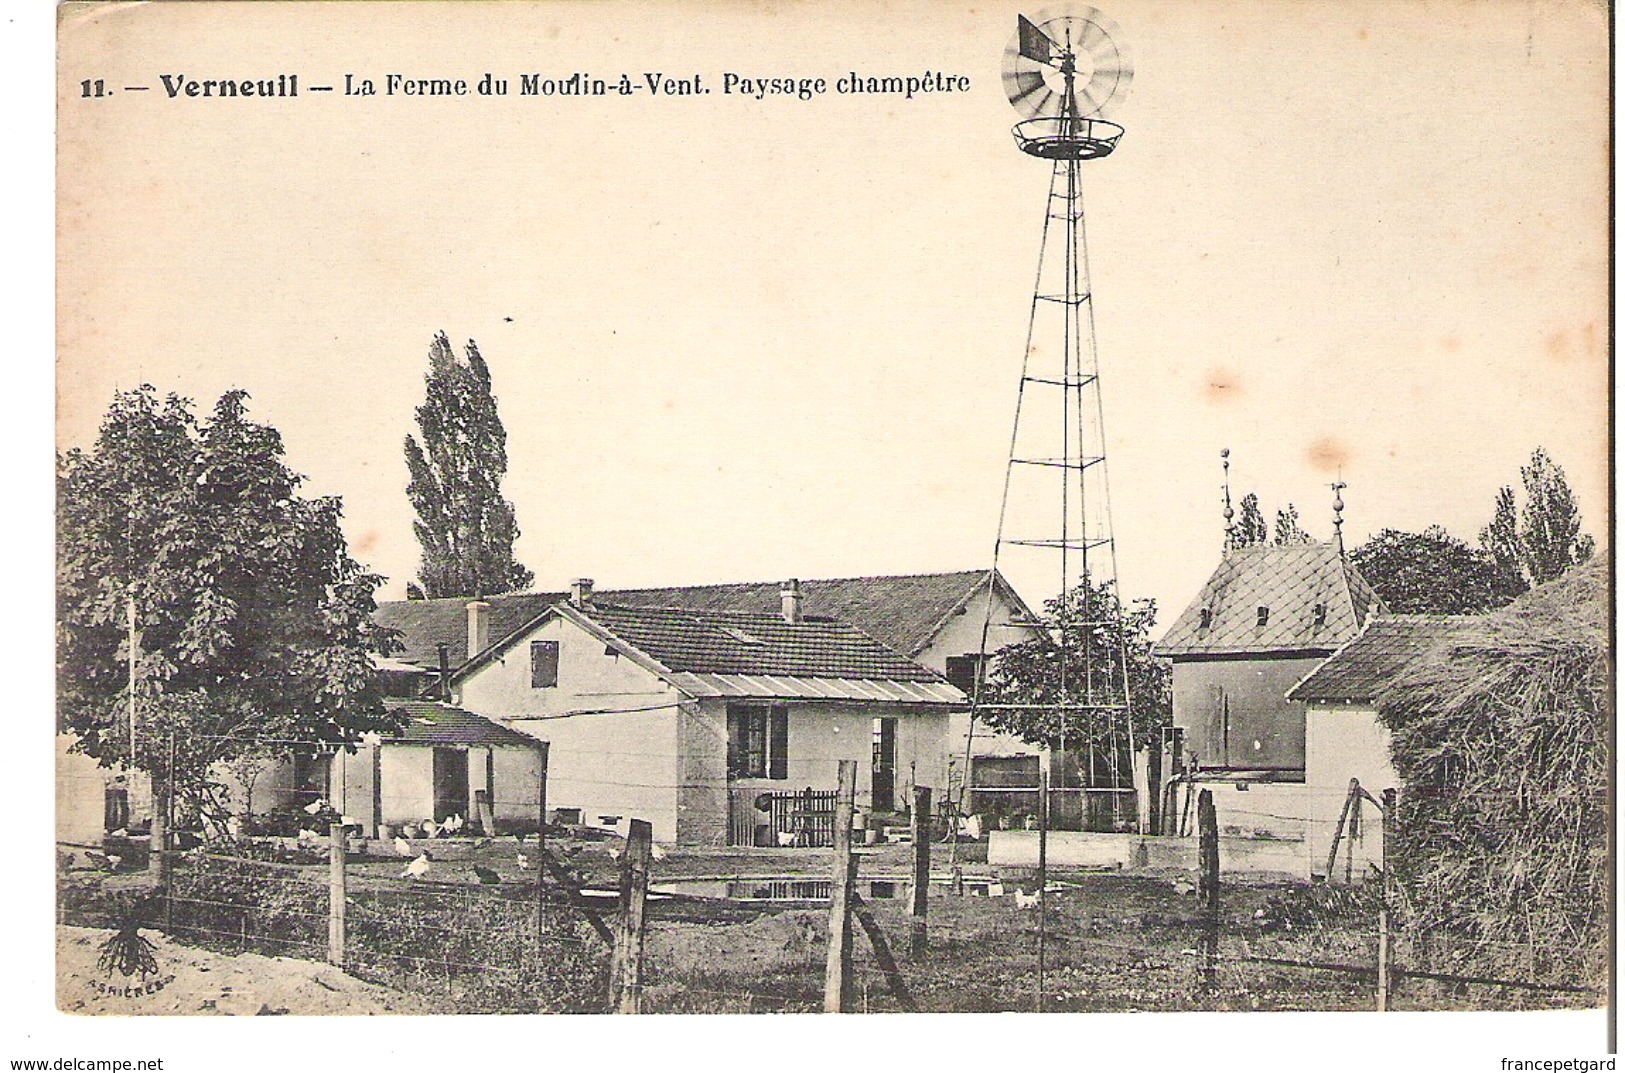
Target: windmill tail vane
x=1035, y=44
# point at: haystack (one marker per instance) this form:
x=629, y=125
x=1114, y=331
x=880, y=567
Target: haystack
x=1500, y=735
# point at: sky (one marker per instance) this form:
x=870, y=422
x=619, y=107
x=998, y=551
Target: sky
x=735, y=339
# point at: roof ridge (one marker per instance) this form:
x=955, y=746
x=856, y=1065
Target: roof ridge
x=719, y=612
x=804, y=581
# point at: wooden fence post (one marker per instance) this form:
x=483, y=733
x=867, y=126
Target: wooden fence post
x=541, y=838
x=838, y=963
x=922, y=868
x=336, y=893
x=626, y=973
x=1385, y=937
x=487, y=817
x=1337, y=835
x=1043, y=868
x=1207, y=825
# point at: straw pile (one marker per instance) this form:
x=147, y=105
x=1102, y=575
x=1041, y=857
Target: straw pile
x=1500, y=735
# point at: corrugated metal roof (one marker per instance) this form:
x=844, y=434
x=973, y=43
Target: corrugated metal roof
x=1360, y=669
x=778, y=687
x=1317, y=600
x=902, y=611
x=425, y=722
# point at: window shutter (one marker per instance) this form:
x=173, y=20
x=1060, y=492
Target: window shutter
x=779, y=744
x=544, y=664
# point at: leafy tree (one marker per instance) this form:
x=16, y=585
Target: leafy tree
x=464, y=525
x=1288, y=530
x=1093, y=637
x=1250, y=527
x=1432, y=572
x=1499, y=539
x=1545, y=540
x=255, y=623
x=1549, y=531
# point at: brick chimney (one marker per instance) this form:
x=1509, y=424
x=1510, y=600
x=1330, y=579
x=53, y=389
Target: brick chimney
x=581, y=592
x=790, y=601
x=479, y=627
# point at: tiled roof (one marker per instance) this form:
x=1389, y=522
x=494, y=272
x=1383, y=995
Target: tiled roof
x=903, y=612
x=684, y=640
x=1360, y=669
x=426, y=623
x=1296, y=582
x=426, y=722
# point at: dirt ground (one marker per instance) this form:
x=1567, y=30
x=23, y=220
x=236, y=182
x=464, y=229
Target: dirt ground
x=200, y=982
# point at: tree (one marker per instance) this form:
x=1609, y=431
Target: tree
x=1250, y=528
x=1432, y=572
x=1549, y=530
x=464, y=525
x=1545, y=540
x=1288, y=530
x=255, y=624
x=1094, y=638
x=1499, y=539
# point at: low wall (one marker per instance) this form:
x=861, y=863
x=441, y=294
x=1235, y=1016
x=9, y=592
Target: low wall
x=1088, y=849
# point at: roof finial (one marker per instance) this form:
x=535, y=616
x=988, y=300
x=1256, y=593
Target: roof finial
x=1229, y=511
x=1337, y=511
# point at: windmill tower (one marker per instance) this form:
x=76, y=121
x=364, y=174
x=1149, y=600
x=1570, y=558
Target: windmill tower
x=1055, y=528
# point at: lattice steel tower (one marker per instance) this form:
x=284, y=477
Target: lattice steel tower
x=1055, y=526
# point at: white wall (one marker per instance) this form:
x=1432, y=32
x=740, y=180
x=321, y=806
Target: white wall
x=1273, y=812
x=610, y=725
x=961, y=635
x=81, y=801
x=1343, y=742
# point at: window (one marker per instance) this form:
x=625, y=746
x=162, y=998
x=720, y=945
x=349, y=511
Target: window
x=963, y=671
x=544, y=664
x=1263, y=616
x=758, y=741
x=1205, y=618
x=1320, y=614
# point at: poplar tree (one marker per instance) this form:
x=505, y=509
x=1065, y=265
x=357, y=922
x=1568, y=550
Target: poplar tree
x=1251, y=528
x=1545, y=540
x=465, y=527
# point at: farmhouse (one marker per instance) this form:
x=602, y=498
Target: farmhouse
x=934, y=620
x=719, y=727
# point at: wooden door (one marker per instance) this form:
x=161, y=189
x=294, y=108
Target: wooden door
x=450, y=783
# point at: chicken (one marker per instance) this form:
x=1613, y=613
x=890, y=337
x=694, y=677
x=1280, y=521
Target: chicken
x=403, y=847
x=1025, y=900
x=486, y=876
x=524, y=863
x=418, y=868
x=430, y=829
x=315, y=806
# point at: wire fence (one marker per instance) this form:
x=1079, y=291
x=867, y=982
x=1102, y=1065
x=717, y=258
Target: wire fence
x=488, y=921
